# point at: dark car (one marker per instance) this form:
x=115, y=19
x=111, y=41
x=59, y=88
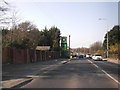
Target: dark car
x=81, y=56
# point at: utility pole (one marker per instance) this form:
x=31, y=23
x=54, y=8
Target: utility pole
x=69, y=45
x=107, y=46
x=107, y=36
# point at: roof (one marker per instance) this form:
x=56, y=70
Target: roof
x=43, y=48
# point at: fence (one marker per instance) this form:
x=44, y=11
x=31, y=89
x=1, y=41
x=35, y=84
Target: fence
x=7, y=55
x=13, y=55
x=46, y=55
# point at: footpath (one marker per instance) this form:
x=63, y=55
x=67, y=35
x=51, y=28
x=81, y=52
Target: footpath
x=14, y=75
x=113, y=60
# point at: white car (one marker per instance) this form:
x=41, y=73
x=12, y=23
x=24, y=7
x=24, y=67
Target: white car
x=97, y=57
x=88, y=56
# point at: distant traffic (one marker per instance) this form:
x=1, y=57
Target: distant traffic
x=95, y=57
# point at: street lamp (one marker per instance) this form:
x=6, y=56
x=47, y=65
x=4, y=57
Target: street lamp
x=107, y=34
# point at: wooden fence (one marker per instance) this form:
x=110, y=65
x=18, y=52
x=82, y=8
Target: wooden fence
x=13, y=55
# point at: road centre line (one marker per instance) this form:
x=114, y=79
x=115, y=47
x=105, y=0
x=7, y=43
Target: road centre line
x=105, y=72
x=46, y=68
x=50, y=66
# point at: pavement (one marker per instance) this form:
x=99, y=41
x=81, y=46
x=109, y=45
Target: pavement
x=113, y=60
x=14, y=75
x=14, y=82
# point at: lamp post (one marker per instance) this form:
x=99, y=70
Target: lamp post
x=107, y=35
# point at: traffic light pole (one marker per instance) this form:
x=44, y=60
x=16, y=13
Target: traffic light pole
x=69, y=45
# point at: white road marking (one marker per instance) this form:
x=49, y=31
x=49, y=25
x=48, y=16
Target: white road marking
x=105, y=72
x=46, y=68
x=111, y=77
x=90, y=61
x=95, y=65
x=45, y=72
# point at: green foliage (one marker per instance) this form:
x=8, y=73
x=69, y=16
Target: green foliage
x=4, y=31
x=113, y=37
x=50, y=38
x=26, y=35
x=113, y=42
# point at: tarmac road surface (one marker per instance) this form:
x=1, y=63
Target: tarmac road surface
x=79, y=73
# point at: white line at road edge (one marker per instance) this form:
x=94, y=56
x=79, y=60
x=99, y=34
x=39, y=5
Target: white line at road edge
x=95, y=65
x=111, y=77
x=105, y=73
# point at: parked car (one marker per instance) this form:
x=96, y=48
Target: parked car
x=97, y=57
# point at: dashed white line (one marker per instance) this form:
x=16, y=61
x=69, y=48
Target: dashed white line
x=46, y=68
x=105, y=72
x=45, y=72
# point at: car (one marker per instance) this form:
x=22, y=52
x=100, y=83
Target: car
x=89, y=56
x=81, y=56
x=97, y=57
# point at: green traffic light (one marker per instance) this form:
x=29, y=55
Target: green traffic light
x=65, y=45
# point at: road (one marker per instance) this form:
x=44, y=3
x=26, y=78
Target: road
x=79, y=73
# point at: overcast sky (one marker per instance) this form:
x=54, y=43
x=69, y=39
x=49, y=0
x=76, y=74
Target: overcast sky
x=78, y=19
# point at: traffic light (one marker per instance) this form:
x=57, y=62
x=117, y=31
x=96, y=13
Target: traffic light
x=63, y=39
x=64, y=51
x=64, y=43
x=64, y=46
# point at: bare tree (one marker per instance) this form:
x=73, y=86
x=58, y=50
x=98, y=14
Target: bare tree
x=4, y=18
x=24, y=35
x=14, y=18
x=95, y=47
